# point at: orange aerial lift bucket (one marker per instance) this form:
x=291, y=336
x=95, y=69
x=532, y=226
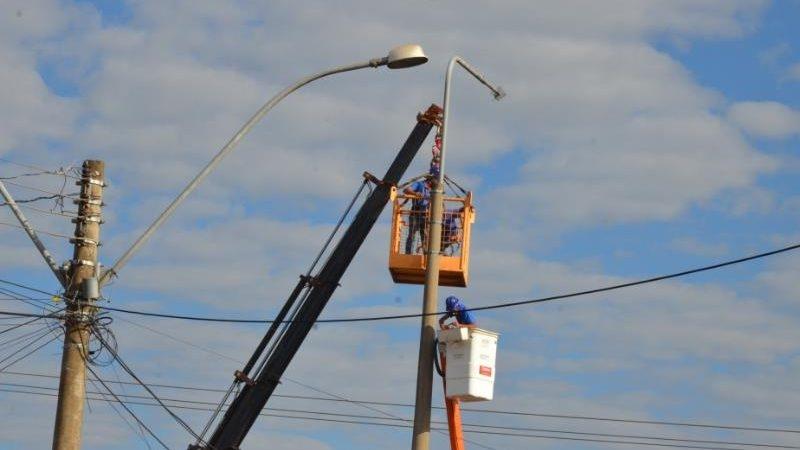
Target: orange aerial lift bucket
x=408, y=243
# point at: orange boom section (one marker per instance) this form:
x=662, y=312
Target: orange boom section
x=408, y=243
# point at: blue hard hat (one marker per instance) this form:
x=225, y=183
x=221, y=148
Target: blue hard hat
x=452, y=302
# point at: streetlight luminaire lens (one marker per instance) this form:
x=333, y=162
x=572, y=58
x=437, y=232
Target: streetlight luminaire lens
x=406, y=56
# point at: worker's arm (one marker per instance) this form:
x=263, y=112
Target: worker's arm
x=409, y=192
x=443, y=318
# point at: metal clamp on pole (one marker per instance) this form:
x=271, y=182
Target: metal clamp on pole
x=84, y=241
x=89, y=201
x=91, y=180
x=86, y=219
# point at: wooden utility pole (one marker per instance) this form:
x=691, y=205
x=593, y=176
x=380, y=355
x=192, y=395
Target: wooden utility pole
x=81, y=292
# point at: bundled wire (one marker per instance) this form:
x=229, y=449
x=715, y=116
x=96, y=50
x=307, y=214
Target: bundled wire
x=113, y=351
x=125, y=406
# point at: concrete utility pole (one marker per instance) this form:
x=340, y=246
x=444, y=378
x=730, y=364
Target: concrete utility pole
x=422, y=405
x=81, y=291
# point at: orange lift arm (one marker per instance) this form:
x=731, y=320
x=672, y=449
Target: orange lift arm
x=453, y=406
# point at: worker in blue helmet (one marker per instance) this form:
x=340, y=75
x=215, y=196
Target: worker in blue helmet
x=458, y=310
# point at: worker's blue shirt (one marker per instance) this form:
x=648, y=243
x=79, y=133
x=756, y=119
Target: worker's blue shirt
x=421, y=189
x=464, y=317
x=455, y=307
x=449, y=222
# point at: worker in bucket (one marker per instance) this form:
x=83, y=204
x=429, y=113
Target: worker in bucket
x=420, y=193
x=458, y=310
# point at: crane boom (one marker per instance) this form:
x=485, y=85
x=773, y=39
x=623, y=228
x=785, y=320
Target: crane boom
x=248, y=404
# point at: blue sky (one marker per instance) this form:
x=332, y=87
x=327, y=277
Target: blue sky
x=637, y=138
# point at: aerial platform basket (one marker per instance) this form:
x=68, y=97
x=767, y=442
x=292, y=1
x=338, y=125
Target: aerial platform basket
x=408, y=243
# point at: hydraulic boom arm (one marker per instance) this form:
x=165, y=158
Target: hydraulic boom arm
x=248, y=404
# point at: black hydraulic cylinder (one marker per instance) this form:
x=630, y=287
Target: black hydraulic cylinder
x=246, y=407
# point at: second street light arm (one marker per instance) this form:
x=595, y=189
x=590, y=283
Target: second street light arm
x=398, y=58
x=422, y=409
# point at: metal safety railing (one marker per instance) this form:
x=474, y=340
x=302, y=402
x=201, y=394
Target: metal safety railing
x=412, y=220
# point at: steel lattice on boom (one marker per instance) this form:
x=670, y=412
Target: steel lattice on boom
x=313, y=293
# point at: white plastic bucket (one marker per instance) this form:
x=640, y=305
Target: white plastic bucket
x=470, y=369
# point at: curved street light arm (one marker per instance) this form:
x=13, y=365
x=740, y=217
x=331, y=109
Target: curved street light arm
x=375, y=62
x=422, y=410
x=497, y=92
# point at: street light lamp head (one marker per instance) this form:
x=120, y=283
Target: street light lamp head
x=406, y=56
x=498, y=93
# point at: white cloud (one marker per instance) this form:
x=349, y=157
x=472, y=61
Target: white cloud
x=606, y=128
x=773, y=55
x=695, y=247
x=765, y=119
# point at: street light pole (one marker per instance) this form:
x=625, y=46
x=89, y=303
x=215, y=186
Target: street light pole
x=400, y=57
x=422, y=405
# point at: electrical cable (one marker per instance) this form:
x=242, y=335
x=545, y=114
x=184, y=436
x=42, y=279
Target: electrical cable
x=36, y=304
x=69, y=214
x=468, y=410
x=479, y=308
x=481, y=432
x=43, y=191
x=61, y=172
x=8, y=343
x=48, y=233
x=438, y=422
x=450, y=180
x=42, y=303
x=133, y=375
x=135, y=417
x=35, y=318
x=220, y=404
x=390, y=415
x=24, y=314
x=228, y=392
x=139, y=432
x=23, y=175
x=29, y=353
x=337, y=226
x=31, y=200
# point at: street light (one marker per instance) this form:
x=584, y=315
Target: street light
x=400, y=57
x=422, y=410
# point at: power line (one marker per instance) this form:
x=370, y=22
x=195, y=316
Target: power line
x=34, y=303
x=228, y=392
x=31, y=200
x=481, y=432
x=31, y=352
x=62, y=172
x=24, y=314
x=117, y=399
x=138, y=432
x=49, y=233
x=43, y=191
x=130, y=372
x=479, y=308
x=395, y=418
x=39, y=303
x=8, y=343
x=469, y=410
x=69, y=214
x=28, y=322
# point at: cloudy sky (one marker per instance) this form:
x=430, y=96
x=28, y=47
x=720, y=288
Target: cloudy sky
x=638, y=137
